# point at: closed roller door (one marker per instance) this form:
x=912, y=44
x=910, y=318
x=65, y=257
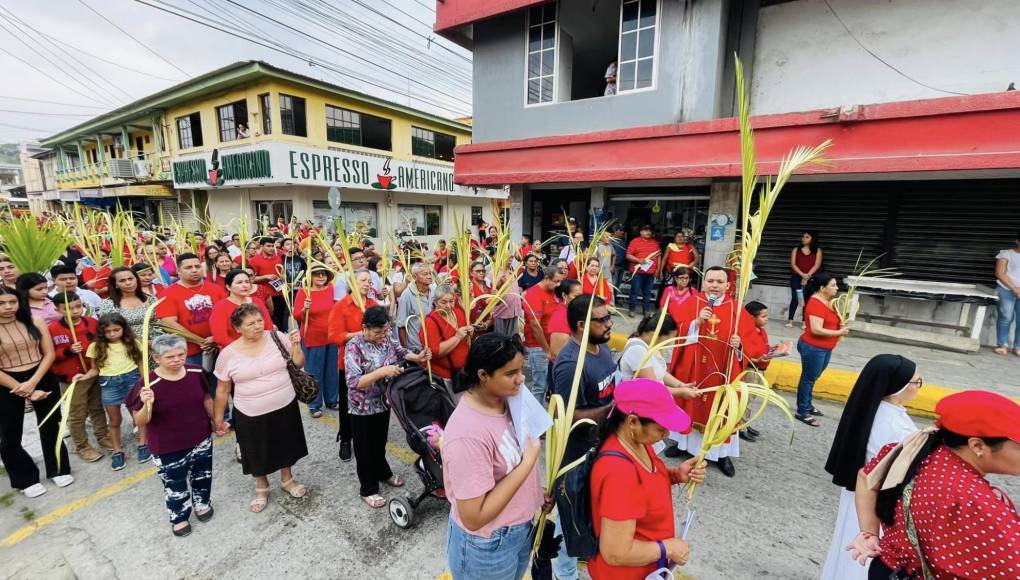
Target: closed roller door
x=952, y=232
x=849, y=218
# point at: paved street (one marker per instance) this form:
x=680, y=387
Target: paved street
x=773, y=520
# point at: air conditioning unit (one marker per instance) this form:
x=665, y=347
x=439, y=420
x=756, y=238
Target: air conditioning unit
x=122, y=168
x=141, y=168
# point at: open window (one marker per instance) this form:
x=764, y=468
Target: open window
x=233, y=119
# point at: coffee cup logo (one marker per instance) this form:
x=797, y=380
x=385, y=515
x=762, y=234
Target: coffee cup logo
x=384, y=180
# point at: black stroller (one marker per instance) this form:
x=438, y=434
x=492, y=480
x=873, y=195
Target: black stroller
x=418, y=404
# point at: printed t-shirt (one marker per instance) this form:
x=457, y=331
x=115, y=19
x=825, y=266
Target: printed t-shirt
x=179, y=420
x=193, y=308
x=263, y=266
x=478, y=451
x=595, y=390
x=622, y=491
x=540, y=304
x=830, y=321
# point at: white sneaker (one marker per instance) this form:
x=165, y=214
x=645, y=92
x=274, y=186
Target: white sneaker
x=34, y=490
x=62, y=480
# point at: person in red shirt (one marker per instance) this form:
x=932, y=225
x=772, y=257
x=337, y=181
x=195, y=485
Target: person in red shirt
x=526, y=247
x=188, y=304
x=643, y=255
x=238, y=287
x=822, y=331
x=97, y=278
x=268, y=265
x=446, y=331
x=680, y=255
x=250, y=251
x=312, y=308
x=343, y=324
x=964, y=527
x=441, y=258
x=631, y=497
x=69, y=352
x=593, y=284
x=539, y=305
x=558, y=328
x=758, y=353
x=478, y=288
x=222, y=265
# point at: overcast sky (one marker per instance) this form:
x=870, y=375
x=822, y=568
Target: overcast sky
x=381, y=47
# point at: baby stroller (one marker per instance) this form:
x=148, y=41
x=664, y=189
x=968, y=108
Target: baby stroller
x=420, y=406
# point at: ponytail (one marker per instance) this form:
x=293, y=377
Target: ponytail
x=489, y=353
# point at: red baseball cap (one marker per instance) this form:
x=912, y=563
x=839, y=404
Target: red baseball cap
x=651, y=400
x=979, y=414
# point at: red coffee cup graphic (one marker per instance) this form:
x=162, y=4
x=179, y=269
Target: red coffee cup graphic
x=385, y=180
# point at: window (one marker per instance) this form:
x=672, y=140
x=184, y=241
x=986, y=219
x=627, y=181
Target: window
x=360, y=217
x=94, y=156
x=420, y=220
x=266, y=110
x=637, y=45
x=292, y=116
x=233, y=119
x=354, y=128
x=273, y=210
x=189, y=131
x=541, y=53
x=140, y=148
x=426, y=143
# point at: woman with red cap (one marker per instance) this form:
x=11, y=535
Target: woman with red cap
x=940, y=518
x=632, y=507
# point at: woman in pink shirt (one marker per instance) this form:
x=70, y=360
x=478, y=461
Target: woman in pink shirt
x=491, y=478
x=266, y=416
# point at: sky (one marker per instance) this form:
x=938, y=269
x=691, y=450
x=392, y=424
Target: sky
x=65, y=52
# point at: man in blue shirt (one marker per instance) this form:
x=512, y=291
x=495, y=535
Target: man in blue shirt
x=619, y=243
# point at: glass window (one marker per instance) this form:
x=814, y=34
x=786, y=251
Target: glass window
x=637, y=45
x=541, y=60
x=420, y=220
x=292, y=116
x=189, y=131
x=426, y=143
x=361, y=217
x=354, y=128
x=266, y=110
x=233, y=119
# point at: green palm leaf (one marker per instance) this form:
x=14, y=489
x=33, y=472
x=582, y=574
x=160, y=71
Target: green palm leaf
x=33, y=247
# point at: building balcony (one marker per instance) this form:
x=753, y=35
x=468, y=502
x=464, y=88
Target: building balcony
x=135, y=168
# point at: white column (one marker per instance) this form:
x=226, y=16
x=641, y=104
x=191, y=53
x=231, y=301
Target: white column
x=516, y=212
x=723, y=219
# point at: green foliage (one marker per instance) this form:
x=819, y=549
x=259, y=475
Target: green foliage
x=33, y=247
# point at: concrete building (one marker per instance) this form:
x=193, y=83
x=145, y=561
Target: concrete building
x=39, y=167
x=913, y=93
x=254, y=139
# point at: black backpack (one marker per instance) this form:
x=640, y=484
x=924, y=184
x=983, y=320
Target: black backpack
x=573, y=503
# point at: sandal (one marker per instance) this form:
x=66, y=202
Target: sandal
x=1002, y=350
x=808, y=420
x=374, y=501
x=789, y=324
x=259, y=503
x=316, y=414
x=394, y=481
x=297, y=490
x=816, y=412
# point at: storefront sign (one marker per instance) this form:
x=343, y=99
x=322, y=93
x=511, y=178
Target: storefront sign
x=149, y=190
x=284, y=164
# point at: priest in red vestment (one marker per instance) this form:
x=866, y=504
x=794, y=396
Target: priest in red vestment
x=714, y=323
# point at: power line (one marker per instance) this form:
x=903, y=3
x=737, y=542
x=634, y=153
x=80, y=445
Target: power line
x=128, y=34
x=110, y=62
x=883, y=61
x=51, y=102
x=430, y=39
x=47, y=114
x=36, y=129
x=46, y=74
x=289, y=52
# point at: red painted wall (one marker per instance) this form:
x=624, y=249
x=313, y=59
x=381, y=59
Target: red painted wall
x=955, y=133
x=452, y=14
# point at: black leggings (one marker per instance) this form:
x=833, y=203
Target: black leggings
x=370, y=435
x=21, y=470
x=879, y=571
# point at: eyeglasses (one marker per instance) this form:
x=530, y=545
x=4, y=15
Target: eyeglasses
x=603, y=320
x=918, y=382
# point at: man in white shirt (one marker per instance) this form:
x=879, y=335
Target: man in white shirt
x=66, y=280
x=358, y=262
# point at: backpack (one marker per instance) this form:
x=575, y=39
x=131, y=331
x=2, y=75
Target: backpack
x=573, y=503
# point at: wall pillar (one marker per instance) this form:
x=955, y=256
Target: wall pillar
x=723, y=220
x=516, y=212
x=100, y=153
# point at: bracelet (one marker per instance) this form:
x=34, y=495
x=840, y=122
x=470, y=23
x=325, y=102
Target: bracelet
x=662, y=554
x=868, y=534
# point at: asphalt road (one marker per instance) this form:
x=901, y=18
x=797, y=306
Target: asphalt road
x=773, y=520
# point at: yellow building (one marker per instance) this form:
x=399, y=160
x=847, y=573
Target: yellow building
x=254, y=138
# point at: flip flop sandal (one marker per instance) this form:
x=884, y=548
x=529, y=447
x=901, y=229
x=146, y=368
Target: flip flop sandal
x=808, y=420
x=816, y=412
x=316, y=414
x=1001, y=350
x=374, y=501
x=185, y=531
x=394, y=482
x=296, y=491
x=259, y=503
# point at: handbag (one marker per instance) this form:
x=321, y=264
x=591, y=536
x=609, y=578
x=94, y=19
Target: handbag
x=908, y=494
x=306, y=388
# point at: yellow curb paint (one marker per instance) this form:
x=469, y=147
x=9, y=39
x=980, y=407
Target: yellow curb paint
x=69, y=508
x=401, y=453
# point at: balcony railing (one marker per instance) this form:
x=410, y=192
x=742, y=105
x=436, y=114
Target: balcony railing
x=145, y=167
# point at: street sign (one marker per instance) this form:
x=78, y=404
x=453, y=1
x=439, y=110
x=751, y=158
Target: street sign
x=334, y=198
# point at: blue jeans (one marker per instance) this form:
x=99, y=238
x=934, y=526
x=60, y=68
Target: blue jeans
x=502, y=556
x=642, y=284
x=538, y=362
x=115, y=388
x=564, y=566
x=796, y=295
x=1009, y=308
x=320, y=362
x=813, y=361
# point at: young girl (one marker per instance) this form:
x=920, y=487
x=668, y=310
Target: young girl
x=221, y=266
x=117, y=357
x=33, y=287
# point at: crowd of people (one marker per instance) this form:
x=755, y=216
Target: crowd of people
x=231, y=323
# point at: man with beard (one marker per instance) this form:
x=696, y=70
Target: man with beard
x=594, y=391
x=714, y=323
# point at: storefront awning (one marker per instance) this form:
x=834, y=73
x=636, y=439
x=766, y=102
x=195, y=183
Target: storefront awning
x=977, y=133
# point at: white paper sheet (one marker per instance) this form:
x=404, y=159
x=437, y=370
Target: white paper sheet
x=528, y=415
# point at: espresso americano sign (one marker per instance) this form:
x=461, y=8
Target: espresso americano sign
x=282, y=164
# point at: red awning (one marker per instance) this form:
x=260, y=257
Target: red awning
x=980, y=132
x=451, y=14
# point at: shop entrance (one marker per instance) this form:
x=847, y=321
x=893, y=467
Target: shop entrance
x=550, y=208
x=667, y=211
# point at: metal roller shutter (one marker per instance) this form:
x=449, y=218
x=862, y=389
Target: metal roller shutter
x=849, y=218
x=951, y=231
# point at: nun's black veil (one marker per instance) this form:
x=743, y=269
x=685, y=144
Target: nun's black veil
x=884, y=375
